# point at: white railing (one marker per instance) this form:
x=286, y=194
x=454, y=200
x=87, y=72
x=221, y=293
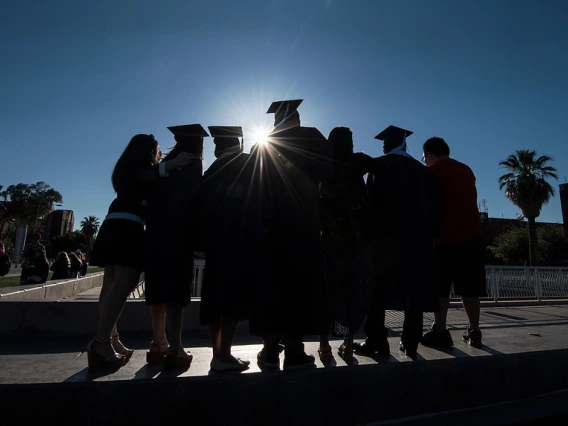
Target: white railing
x=521, y=282
x=503, y=282
x=198, y=268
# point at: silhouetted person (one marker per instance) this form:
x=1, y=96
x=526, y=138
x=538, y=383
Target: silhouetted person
x=32, y=245
x=119, y=245
x=344, y=219
x=232, y=236
x=294, y=162
x=61, y=267
x=459, y=251
x=36, y=269
x=404, y=219
x=5, y=263
x=171, y=237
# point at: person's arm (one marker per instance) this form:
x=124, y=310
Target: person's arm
x=157, y=171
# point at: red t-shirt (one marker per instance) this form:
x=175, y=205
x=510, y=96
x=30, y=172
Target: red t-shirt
x=460, y=216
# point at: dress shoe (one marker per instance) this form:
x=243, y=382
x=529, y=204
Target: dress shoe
x=408, y=351
x=381, y=348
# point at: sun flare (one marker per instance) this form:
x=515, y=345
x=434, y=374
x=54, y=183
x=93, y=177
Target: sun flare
x=260, y=135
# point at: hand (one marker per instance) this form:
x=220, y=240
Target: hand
x=182, y=159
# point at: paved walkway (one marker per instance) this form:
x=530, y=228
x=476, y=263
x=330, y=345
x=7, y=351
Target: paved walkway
x=506, y=330
x=520, y=375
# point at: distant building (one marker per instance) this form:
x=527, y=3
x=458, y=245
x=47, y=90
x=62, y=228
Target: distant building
x=57, y=223
x=564, y=204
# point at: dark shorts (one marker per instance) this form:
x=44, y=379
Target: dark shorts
x=463, y=265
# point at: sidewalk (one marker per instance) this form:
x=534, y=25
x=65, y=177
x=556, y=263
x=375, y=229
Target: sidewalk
x=524, y=355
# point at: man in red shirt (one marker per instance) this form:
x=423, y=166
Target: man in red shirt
x=459, y=252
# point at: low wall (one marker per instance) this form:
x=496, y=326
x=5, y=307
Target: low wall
x=52, y=289
x=78, y=317
x=354, y=395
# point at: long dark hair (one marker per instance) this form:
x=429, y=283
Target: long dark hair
x=140, y=152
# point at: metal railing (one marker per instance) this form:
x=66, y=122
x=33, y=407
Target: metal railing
x=521, y=282
x=503, y=282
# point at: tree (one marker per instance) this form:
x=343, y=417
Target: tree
x=70, y=241
x=526, y=186
x=512, y=246
x=28, y=203
x=90, y=226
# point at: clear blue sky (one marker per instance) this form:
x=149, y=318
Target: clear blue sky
x=79, y=78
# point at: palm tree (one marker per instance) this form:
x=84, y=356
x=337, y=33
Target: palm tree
x=90, y=226
x=526, y=186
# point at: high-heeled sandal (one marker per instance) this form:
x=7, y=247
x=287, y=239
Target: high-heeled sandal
x=175, y=361
x=156, y=353
x=346, y=354
x=120, y=348
x=96, y=360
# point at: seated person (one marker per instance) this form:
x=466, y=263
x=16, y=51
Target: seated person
x=61, y=267
x=36, y=269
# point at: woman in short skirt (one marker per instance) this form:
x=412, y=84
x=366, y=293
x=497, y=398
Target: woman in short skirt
x=120, y=242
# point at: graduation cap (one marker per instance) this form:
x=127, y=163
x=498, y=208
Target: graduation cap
x=223, y=132
x=195, y=130
x=283, y=109
x=393, y=134
x=226, y=137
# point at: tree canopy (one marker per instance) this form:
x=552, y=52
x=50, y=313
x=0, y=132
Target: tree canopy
x=28, y=202
x=527, y=187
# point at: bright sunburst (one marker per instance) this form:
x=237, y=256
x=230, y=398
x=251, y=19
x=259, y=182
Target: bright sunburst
x=259, y=135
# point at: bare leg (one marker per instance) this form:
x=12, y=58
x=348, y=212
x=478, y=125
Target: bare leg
x=158, y=315
x=215, y=336
x=228, y=329
x=108, y=285
x=125, y=279
x=472, y=309
x=324, y=343
x=174, y=321
x=440, y=318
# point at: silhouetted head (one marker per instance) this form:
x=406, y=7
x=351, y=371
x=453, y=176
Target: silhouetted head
x=142, y=150
x=285, y=113
x=226, y=139
x=189, y=138
x=393, y=137
x=341, y=138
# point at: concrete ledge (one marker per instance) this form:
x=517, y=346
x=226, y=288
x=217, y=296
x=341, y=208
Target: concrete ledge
x=52, y=289
x=354, y=395
x=78, y=317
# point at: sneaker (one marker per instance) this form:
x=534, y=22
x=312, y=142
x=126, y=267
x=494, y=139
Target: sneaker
x=473, y=337
x=267, y=359
x=298, y=361
x=434, y=337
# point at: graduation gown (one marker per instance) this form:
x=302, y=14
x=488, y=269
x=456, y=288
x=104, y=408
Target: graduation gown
x=292, y=298
x=405, y=217
x=232, y=237
x=171, y=236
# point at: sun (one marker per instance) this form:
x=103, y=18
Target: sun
x=259, y=134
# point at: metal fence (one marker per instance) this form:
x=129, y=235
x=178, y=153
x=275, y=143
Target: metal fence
x=503, y=282
x=521, y=282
